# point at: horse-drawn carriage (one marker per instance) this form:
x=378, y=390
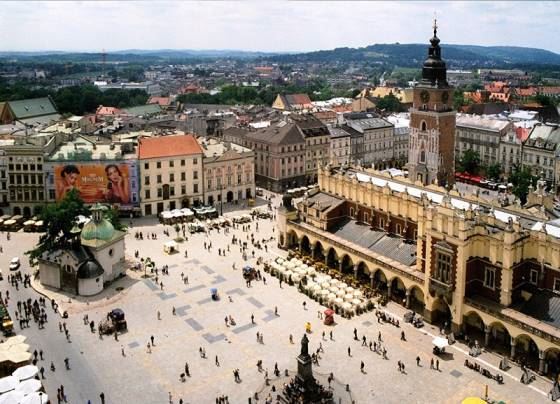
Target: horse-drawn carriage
x=114, y=321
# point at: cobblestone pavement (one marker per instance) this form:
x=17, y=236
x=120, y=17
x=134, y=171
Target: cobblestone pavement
x=142, y=377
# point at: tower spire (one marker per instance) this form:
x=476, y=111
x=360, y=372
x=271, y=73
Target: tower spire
x=435, y=24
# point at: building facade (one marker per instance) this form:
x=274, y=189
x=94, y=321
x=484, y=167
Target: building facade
x=481, y=134
x=488, y=273
x=540, y=149
x=229, y=172
x=26, y=185
x=510, y=152
x=171, y=173
x=431, y=153
x=377, y=140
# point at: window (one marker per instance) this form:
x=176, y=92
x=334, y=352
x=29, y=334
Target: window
x=443, y=269
x=159, y=193
x=158, y=164
x=490, y=278
x=147, y=194
x=146, y=166
x=424, y=126
x=52, y=194
x=238, y=179
x=171, y=163
x=195, y=188
x=159, y=178
x=195, y=161
x=172, y=191
x=195, y=175
x=147, y=180
x=171, y=177
x=209, y=183
x=556, y=286
x=398, y=228
x=534, y=276
x=110, y=252
x=183, y=162
x=183, y=189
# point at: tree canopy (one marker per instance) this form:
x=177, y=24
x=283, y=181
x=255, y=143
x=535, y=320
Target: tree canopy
x=59, y=219
x=521, y=178
x=469, y=162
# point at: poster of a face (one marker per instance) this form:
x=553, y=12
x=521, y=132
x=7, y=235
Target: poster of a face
x=109, y=183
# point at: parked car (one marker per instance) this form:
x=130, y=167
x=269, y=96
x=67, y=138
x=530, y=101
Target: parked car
x=14, y=264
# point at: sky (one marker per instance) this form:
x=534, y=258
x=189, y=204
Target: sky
x=269, y=25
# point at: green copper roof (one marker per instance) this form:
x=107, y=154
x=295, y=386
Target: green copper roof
x=32, y=107
x=102, y=230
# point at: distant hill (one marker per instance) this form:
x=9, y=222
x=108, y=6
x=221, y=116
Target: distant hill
x=413, y=54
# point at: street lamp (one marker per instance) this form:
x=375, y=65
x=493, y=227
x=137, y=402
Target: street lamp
x=221, y=200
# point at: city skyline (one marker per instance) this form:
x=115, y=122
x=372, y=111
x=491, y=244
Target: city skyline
x=271, y=26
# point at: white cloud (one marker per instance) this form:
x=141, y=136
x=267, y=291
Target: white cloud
x=273, y=26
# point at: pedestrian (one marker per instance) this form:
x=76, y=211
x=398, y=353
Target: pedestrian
x=42, y=371
x=122, y=351
x=152, y=339
x=362, y=366
x=418, y=361
x=158, y=315
x=170, y=398
x=304, y=306
x=323, y=336
x=275, y=310
x=349, y=352
x=187, y=369
x=355, y=334
x=437, y=364
x=252, y=319
x=364, y=341
x=217, y=361
x=149, y=348
x=370, y=343
x=403, y=338
x=432, y=363
x=330, y=335
x=379, y=339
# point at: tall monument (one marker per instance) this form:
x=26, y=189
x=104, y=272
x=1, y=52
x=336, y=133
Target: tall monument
x=431, y=146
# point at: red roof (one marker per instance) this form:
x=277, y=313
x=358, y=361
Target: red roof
x=162, y=101
x=101, y=110
x=168, y=146
x=522, y=133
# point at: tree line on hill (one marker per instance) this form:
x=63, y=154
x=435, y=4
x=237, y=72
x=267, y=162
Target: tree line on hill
x=77, y=100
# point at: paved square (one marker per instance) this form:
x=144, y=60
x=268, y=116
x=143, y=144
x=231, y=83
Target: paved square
x=143, y=377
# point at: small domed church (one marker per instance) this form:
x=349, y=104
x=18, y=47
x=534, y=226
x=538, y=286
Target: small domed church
x=94, y=257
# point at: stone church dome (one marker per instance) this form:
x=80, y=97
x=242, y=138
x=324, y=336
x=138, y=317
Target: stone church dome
x=98, y=228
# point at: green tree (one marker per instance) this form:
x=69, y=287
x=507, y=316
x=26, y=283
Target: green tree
x=112, y=215
x=494, y=171
x=390, y=103
x=59, y=219
x=521, y=178
x=469, y=162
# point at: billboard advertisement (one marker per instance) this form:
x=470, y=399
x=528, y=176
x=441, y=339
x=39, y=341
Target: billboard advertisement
x=108, y=182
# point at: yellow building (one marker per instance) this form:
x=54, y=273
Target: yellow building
x=487, y=272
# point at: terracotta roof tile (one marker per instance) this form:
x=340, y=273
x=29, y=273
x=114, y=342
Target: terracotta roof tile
x=168, y=146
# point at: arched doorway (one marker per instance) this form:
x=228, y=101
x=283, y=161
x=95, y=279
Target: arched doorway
x=318, y=252
x=499, y=339
x=346, y=267
x=416, y=299
x=229, y=196
x=17, y=210
x=292, y=240
x=552, y=363
x=398, y=291
x=474, y=327
x=526, y=351
x=441, y=314
x=332, y=258
x=305, y=247
x=380, y=281
x=363, y=272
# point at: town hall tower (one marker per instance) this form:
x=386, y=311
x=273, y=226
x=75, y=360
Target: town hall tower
x=431, y=146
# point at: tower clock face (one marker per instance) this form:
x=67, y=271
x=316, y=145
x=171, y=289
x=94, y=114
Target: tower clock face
x=425, y=96
x=445, y=97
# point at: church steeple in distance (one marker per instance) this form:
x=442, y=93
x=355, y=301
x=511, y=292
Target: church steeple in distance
x=434, y=71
